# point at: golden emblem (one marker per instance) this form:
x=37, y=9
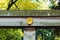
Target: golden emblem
x=29, y=21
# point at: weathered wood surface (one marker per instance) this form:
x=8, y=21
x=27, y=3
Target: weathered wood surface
x=30, y=13
x=50, y=21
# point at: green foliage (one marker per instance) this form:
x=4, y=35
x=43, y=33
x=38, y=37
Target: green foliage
x=25, y=5
x=28, y=4
x=54, y=3
x=43, y=5
x=11, y=34
x=46, y=5
x=3, y=4
x=45, y=34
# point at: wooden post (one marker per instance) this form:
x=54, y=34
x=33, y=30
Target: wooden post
x=29, y=33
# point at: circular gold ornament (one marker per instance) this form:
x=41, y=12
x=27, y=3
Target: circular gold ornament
x=29, y=21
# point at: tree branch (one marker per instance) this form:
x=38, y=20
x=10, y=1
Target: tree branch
x=10, y=4
x=17, y=7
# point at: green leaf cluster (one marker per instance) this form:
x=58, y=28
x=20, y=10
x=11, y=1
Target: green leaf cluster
x=11, y=34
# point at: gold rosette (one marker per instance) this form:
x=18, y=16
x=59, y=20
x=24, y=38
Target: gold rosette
x=29, y=21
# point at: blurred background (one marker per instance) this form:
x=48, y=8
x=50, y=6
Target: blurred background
x=48, y=34
x=40, y=34
x=29, y=4
x=11, y=34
